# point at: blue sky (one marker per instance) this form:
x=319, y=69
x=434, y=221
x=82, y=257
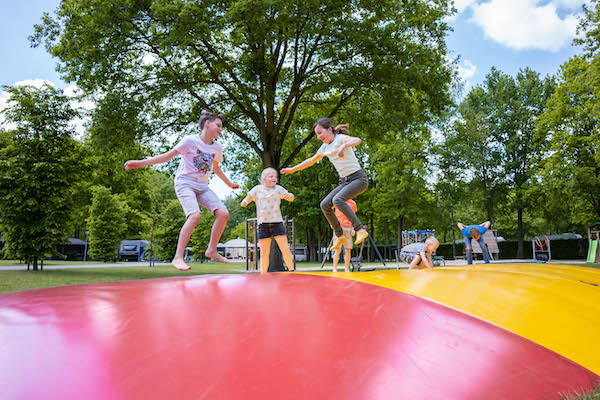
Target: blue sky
x=507, y=34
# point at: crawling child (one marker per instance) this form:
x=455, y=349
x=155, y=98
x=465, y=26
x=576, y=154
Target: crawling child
x=416, y=253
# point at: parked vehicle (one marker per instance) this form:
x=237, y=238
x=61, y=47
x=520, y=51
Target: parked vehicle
x=301, y=253
x=133, y=250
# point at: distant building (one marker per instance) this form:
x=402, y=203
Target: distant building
x=236, y=248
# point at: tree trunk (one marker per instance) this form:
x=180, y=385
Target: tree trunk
x=521, y=245
x=319, y=255
x=372, y=233
x=453, y=233
x=388, y=249
x=400, y=230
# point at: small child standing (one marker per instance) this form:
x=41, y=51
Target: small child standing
x=200, y=156
x=348, y=233
x=267, y=197
x=414, y=253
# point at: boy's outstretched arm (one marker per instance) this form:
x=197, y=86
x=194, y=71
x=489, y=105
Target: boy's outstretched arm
x=159, y=159
x=461, y=226
x=486, y=224
x=217, y=170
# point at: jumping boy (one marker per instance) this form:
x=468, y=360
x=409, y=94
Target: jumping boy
x=200, y=155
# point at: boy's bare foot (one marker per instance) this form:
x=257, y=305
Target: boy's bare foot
x=180, y=264
x=216, y=256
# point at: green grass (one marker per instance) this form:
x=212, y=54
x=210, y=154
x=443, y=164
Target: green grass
x=11, y=281
x=592, y=395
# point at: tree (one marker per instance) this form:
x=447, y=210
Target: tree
x=168, y=225
x=399, y=166
x=40, y=164
x=106, y=224
x=510, y=107
x=259, y=62
x=571, y=120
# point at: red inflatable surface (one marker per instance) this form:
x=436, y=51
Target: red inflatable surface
x=280, y=336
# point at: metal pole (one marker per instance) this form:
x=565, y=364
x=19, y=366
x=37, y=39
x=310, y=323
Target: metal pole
x=246, y=237
x=294, y=241
x=376, y=250
x=85, y=248
x=255, y=222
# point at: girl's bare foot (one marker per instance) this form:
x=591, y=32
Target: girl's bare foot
x=216, y=256
x=180, y=264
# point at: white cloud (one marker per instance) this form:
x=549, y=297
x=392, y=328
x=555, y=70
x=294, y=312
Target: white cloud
x=525, y=24
x=462, y=5
x=71, y=91
x=38, y=83
x=466, y=70
x=569, y=4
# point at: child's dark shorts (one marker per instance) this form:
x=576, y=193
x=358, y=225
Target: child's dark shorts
x=270, y=229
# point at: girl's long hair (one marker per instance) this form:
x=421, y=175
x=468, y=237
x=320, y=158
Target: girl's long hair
x=328, y=123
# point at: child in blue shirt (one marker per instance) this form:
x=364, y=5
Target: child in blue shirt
x=475, y=232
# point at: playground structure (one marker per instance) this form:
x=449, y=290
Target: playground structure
x=409, y=237
x=387, y=334
x=252, y=253
x=541, y=249
x=593, y=240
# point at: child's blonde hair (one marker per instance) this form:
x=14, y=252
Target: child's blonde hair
x=265, y=172
x=432, y=240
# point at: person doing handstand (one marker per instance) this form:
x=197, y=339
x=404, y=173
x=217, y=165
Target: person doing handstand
x=475, y=232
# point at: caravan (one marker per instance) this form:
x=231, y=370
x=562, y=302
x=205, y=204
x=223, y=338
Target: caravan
x=133, y=250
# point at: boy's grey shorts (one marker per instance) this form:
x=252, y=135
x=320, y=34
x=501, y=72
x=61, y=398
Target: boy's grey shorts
x=192, y=195
x=408, y=257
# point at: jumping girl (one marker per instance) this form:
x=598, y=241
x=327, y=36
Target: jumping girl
x=338, y=147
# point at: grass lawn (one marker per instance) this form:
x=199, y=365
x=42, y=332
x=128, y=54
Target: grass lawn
x=593, y=395
x=11, y=281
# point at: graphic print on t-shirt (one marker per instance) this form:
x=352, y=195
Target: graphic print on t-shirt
x=203, y=161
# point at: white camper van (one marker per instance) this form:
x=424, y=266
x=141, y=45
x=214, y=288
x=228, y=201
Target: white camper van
x=133, y=250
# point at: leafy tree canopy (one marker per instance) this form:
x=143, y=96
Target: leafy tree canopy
x=258, y=61
x=40, y=163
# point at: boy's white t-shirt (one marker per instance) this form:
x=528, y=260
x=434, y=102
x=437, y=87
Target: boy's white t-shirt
x=197, y=158
x=346, y=165
x=267, y=202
